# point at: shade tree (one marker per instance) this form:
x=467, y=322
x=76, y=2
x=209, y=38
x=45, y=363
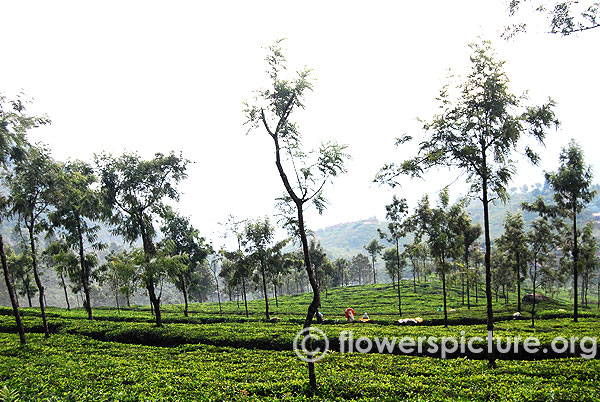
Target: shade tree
x=32, y=183
x=374, y=250
x=61, y=258
x=186, y=241
x=476, y=132
x=76, y=210
x=135, y=191
x=513, y=243
x=571, y=184
x=303, y=174
x=541, y=240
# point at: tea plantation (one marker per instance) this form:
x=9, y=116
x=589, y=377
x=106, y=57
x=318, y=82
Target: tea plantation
x=122, y=356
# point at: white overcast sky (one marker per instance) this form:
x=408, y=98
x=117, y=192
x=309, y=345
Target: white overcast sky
x=153, y=76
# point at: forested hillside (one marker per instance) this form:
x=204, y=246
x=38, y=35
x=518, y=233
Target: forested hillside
x=348, y=239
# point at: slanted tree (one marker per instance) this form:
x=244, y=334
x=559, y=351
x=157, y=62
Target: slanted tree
x=135, y=190
x=75, y=210
x=395, y=214
x=512, y=243
x=304, y=179
x=374, y=250
x=186, y=241
x=572, y=191
x=14, y=124
x=477, y=132
x=32, y=186
x=20, y=268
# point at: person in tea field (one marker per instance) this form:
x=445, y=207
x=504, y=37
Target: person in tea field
x=365, y=318
x=349, y=313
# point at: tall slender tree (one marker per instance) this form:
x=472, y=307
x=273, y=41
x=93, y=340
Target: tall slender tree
x=75, y=212
x=258, y=239
x=395, y=214
x=572, y=191
x=468, y=233
x=20, y=268
x=342, y=266
x=215, y=263
x=272, y=109
x=59, y=256
x=118, y=272
x=438, y=224
x=477, y=132
x=513, y=243
x=541, y=241
x=135, y=190
x=589, y=260
x=238, y=263
x=32, y=183
x=374, y=249
x=359, y=267
x=186, y=241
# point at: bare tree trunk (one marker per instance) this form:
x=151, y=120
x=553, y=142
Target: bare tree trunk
x=26, y=285
x=534, y=298
x=62, y=279
x=575, y=260
x=264, y=282
x=185, y=296
x=218, y=292
x=467, y=275
x=245, y=296
x=316, y=301
x=445, y=305
x=488, y=271
x=275, y=291
x=155, y=302
x=399, y=278
x=462, y=291
x=85, y=274
x=468, y=294
x=519, y=283
x=374, y=275
x=38, y=280
x=11, y=293
x=117, y=302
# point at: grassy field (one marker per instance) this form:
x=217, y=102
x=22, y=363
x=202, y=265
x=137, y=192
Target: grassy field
x=212, y=356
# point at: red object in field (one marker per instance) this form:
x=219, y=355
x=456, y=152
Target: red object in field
x=348, y=310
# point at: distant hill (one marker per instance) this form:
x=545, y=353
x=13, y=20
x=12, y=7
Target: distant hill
x=347, y=239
